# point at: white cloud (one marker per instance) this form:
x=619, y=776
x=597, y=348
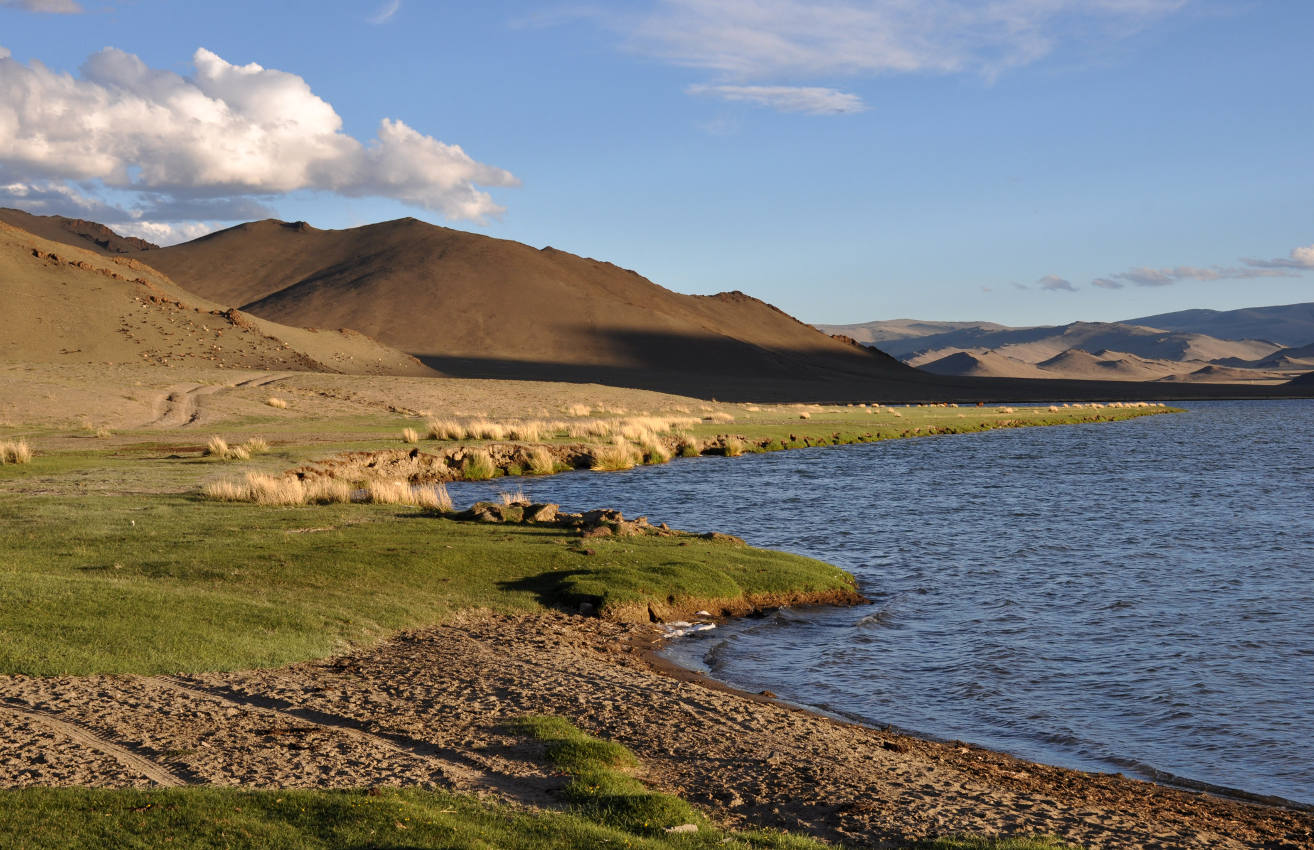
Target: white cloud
x=386, y=11
x=166, y=233
x=756, y=39
x=1054, y=283
x=53, y=7
x=812, y=100
x=1106, y=283
x=227, y=133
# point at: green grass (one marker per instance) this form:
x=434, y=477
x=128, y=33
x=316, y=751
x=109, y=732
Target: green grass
x=600, y=788
x=164, y=583
x=205, y=818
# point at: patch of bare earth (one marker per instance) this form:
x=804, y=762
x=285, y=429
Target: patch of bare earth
x=430, y=708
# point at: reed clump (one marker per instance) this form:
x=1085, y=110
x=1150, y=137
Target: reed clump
x=264, y=489
x=410, y=435
x=15, y=452
x=276, y=402
x=398, y=492
x=478, y=466
x=734, y=447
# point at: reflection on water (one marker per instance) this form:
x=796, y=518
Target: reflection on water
x=1135, y=596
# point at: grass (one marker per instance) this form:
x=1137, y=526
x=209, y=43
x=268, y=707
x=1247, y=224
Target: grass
x=601, y=787
x=620, y=454
x=213, y=818
x=149, y=584
x=478, y=466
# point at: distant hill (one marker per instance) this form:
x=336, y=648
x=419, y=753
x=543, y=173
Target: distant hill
x=472, y=305
x=69, y=304
x=1081, y=350
x=1288, y=325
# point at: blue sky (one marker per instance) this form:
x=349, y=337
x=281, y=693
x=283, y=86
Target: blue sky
x=1020, y=161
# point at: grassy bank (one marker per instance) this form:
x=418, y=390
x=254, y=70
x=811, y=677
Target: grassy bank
x=146, y=584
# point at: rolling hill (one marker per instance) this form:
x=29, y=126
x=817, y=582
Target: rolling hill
x=1288, y=325
x=75, y=305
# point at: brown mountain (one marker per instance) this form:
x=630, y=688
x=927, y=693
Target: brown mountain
x=66, y=304
x=75, y=231
x=472, y=305
x=981, y=364
x=1107, y=365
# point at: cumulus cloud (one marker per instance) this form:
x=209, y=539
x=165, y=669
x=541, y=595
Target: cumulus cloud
x=813, y=100
x=1106, y=283
x=53, y=7
x=754, y=39
x=1054, y=283
x=213, y=143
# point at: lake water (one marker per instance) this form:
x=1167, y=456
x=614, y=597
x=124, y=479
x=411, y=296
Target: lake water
x=1133, y=597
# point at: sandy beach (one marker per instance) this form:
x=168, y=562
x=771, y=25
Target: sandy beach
x=431, y=707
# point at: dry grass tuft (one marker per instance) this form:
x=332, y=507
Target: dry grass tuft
x=256, y=445
x=621, y=454
x=688, y=446
x=219, y=449
x=529, y=432
x=719, y=416
x=578, y=410
x=445, y=429
x=734, y=447
x=540, y=461
x=398, y=492
x=276, y=402
x=654, y=451
x=410, y=435
x=516, y=498
x=478, y=466
x=805, y=415
x=15, y=451
x=279, y=490
x=483, y=429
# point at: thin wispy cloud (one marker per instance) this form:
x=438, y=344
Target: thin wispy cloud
x=386, y=12
x=1054, y=283
x=50, y=7
x=216, y=143
x=1146, y=276
x=756, y=39
x=812, y=100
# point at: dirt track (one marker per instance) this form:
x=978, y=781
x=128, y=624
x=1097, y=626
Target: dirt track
x=429, y=708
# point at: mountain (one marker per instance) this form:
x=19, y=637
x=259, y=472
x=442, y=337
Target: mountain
x=75, y=231
x=1288, y=325
x=69, y=304
x=474, y=306
x=892, y=330
x=1105, y=365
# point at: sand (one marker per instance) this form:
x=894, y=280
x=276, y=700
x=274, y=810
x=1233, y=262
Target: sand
x=430, y=708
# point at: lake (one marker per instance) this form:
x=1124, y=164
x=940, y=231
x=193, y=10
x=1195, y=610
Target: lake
x=1134, y=597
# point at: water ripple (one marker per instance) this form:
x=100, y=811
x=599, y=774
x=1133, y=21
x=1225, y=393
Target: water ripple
x=1133, y=597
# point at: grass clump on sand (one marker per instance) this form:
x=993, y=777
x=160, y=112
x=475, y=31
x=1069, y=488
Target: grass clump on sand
x=276, y=403
x=15, y=451
x=292, y=819
x=600, y=789
x=219, y=449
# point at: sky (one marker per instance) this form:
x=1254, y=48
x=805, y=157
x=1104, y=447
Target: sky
x=1017, y=161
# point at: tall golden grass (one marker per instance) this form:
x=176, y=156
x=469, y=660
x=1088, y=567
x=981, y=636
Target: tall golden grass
x=445, y=429
x=15, y=451
x=434, y=498
x=279, y=490
x=734, y=447
x=478, y=466
x=410, y=435
x=276, y=402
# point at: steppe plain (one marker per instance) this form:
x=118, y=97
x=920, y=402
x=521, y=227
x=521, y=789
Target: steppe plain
x=180, y=670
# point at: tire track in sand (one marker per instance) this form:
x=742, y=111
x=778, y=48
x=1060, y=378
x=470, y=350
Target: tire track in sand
x=85, y=737
x=457, y=768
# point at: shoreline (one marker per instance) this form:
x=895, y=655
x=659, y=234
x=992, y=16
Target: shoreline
x=396, y=715
x=650, y=650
